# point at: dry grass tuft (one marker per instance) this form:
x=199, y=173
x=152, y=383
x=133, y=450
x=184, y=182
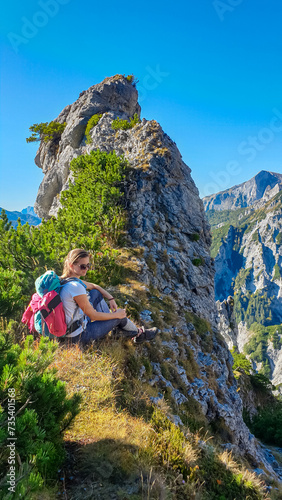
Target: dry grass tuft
x=248, y=477
x=95, y=376
x=153, y=486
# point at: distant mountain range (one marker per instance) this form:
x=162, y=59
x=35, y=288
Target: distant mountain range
x=262, y=187
x=26, y=215
x=246, y=223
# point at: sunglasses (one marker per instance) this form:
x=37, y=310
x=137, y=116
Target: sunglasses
x=83, y=266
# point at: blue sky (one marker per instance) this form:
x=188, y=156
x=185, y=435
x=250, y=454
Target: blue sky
x=209, y=72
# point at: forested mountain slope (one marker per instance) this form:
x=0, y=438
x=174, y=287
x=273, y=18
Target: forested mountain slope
x=246, y=244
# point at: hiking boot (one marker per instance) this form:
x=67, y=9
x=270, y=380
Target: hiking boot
x=145, y=335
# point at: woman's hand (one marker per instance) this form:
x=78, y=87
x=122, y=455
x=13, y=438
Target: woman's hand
x=113, y=305
x=120, y=313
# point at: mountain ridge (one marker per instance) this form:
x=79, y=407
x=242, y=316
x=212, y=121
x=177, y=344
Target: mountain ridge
x=25, y=215
x=262, y=186
x=246, y=245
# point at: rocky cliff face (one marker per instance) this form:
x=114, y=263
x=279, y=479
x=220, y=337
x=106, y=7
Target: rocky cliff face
x=165, y=213
x=258, y=251
x=226, y=322
x=166, y=218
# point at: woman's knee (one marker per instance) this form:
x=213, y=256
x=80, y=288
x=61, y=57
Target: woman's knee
x=95, y=296
x=122, y=322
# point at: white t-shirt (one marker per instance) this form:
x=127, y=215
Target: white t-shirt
x=72, y=311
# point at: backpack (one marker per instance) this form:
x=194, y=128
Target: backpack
x=45, y=313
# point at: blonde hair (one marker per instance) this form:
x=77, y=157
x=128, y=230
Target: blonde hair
x=71, y=258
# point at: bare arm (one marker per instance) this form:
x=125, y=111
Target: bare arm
x=106, y=295
x=84, y=304
x=92, y=286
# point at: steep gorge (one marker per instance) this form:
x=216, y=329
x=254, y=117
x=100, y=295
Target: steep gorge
x=247, y=250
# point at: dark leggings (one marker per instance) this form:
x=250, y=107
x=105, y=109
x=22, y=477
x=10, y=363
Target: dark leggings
x=98, y=329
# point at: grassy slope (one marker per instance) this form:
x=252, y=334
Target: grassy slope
x=121, y=447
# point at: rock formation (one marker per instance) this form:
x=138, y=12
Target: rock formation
x=166, y=215
x=166, y=219
x=114, y=96
x=226, y=322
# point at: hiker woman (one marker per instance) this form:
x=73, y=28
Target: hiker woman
x=87, y=314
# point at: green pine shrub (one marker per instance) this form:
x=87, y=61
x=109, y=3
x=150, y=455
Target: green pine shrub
x=261, y=383
x=92, y=217
x=255, y=236
x=46, y=131
x=10, y=292
x=240, y=362
x=194, y=237
x=267, y=424
x=276, y=340
x=92, y=122
x=23, y=258
x=198, y=261
x=278, y=239
x=119, y=124
x=277, y=272
x=35, y=410
x=252, y=307
x=131, y=79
